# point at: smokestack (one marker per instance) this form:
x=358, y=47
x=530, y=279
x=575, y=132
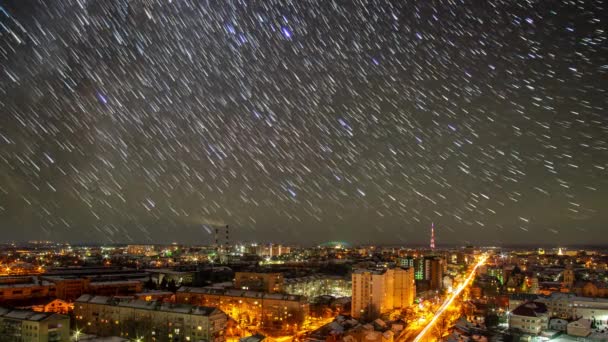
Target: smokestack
x=432, y=236
x=227, y=236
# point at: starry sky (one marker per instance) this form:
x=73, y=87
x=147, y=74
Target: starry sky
x=304, y=121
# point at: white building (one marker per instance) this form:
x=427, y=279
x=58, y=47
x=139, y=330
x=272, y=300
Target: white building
x=569, y=306
x=593, y=309
x=582, y=327
x=531, y=318
x=558, y=324
x=375, y=292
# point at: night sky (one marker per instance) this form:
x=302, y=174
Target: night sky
x=304, y=121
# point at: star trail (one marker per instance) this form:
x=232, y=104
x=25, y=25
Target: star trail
x=304, y=121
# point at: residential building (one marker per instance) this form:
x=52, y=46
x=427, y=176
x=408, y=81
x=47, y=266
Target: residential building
x=517, y=299
x=570, y=306
x=259, y=281
x=433, y=272
x=531, y=318
x=148, y=320
x=272, y=310
x=25, y=288
x=375, y=292
x=496, y=272
x=594, y=309
x=568, y=276
x=406, y=262
x=318, y=285
x=146, y=250
x=56, y=305
x=591, y=289
x=271, y=250
x=31, y=326
x=559, y=304
x=71, y=287
x=579, y=328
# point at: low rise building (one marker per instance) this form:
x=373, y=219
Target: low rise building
x=165, y=296
x=591, y=289
x=559, y=304
x=31, y=326
x=531, y=318
x=146, y=250
x=580, y=328
x=367, y=333
x=271, y=310
x=517, y=299
x=558, y=324
x=148, y=320
x=569, y=306
x=22, y=288
x=185, y=277
x=66, y=288
x=318, y=285
x=71, y=287
x=56, y=305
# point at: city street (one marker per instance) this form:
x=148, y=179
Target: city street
x=431, y=322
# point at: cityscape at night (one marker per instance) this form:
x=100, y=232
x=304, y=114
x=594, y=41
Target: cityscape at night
x=303, y=170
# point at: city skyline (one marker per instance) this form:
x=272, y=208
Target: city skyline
x=303, y=122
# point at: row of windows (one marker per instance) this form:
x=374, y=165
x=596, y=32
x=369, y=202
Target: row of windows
x=530, y=327
x=529, y=320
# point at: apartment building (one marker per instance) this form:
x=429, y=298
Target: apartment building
x=148, y=320
x=31, y=326
x=375, y=292
x=531, y=318
x=259, y=281
x=272, y=310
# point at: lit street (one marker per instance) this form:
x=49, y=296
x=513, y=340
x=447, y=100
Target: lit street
x=431, y=323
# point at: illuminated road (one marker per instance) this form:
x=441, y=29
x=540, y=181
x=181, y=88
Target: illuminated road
x=449, y=301
x=310, y=325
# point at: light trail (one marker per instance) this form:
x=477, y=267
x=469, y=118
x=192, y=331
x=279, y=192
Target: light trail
x=448, y=302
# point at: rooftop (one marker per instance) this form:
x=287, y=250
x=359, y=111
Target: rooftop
x=366, y=270
x=312, y=278
x=148, y=305
x=27, y=315
x=530, y=309
x=253, y=338
x=240, y=293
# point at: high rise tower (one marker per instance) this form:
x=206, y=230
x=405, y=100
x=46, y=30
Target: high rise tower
x=432, y=236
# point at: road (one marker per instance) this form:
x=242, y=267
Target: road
x=309, y=326
x=448, y=302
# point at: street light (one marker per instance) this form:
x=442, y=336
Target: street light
x=77, y=334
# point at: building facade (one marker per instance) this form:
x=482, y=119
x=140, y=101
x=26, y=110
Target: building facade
x=274, y=311
x=259, y=281
x=148, y=320
x=25, y=288
x=375, y=292
x=147, y=250
x=531, y=318
x=31, y=326
x=318, y=285
x=433, y=272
